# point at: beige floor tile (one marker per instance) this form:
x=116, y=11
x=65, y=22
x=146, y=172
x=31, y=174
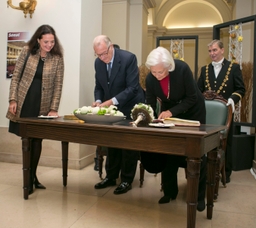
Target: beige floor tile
x=79, y=205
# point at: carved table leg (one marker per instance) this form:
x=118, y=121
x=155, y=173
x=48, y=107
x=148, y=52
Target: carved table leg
x=26, y=154
x=211, y=179
x=217, y=179
x=64, y=146
x=193, y=172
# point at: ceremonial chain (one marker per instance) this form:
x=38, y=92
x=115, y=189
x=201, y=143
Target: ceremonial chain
x=208, y=86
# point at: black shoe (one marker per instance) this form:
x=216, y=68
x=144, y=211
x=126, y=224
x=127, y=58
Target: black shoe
x=200, y=205
x=166, y=199
x=123, y=188
x=105, y=183
x=227, y=179
x=38, y=184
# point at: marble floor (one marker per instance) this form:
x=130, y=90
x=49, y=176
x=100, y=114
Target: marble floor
x=79, y=205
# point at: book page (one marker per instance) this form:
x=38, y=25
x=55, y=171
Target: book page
x=181, y=122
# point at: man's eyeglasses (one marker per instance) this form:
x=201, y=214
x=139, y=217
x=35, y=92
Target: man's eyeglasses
x=103, y=54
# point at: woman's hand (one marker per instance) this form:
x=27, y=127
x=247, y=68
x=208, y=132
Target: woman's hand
x=53, y=113
x=165, y=114
x=12, y=107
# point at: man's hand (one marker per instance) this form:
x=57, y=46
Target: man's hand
x=231, y=102
x=95, y=104
x=106, y=103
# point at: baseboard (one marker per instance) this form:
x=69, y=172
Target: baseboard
x=55, y=162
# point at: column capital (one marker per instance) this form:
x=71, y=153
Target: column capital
x=148, y=3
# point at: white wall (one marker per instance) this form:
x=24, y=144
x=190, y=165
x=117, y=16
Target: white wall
x=76, y=22
x=115, y=22
x=65, y=19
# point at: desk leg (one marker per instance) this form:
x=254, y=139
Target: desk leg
x=211, y=181
x=64, y=146
x=26, y=153
x=193, y=172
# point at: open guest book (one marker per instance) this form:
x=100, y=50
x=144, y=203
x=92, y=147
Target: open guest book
x=181, y=122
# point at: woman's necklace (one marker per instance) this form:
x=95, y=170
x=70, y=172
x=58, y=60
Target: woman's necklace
x=165, y=85
x=223, y=84
x=168, y=95
x=43, y=56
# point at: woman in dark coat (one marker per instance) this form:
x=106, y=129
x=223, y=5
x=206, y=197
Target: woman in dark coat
x=171, y=82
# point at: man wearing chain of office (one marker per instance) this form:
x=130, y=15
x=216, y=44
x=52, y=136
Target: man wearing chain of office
x=225, y=78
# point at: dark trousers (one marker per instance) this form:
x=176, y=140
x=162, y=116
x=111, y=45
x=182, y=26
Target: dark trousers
x=124, y=161
x=169, y=176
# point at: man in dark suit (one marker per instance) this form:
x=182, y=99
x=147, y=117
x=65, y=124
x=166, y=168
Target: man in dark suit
x=225, y=78
x=117, y=83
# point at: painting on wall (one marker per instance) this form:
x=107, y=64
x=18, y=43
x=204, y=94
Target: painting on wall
x=15, y=42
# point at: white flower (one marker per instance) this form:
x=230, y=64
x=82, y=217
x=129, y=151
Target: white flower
x=84, y=110
x=146, y=107
x=95, y=110
x=77, y=111
x=111, y=110
x=112, y=107
x=118, y=113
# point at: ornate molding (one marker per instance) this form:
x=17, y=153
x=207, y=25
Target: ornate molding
x=150, y=3
x=147, y=3
x=230, y=3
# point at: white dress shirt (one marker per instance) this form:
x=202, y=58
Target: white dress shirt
x=217, y=67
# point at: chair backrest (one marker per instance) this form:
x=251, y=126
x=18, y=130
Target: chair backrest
x=216, y=110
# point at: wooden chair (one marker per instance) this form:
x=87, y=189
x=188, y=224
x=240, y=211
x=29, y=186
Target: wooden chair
x=219, y=114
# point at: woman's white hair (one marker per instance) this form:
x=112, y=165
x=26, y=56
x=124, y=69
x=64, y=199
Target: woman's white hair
x=160, y=55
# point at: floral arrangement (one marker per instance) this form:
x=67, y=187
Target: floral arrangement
x=143, y=71
x=246, y=102
x=111, y=110
x=142, y=114
x=177, y=49
x=235, y=43
x=235, y=56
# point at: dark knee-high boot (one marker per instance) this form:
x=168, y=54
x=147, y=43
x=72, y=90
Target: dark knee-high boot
x=169, y=180
x=38, y=184
x=36, y=148
x=202, y=184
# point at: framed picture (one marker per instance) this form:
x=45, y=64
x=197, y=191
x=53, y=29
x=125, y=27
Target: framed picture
x=15, y=42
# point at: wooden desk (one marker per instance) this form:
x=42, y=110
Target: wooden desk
x=192, y=142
